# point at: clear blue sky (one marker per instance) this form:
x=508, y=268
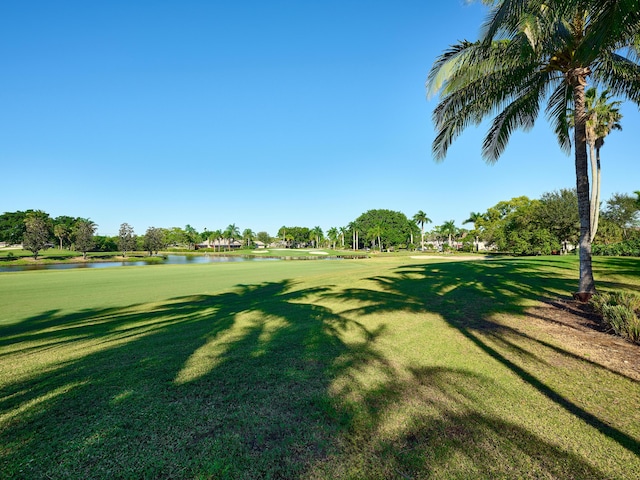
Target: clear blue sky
x=258, y=113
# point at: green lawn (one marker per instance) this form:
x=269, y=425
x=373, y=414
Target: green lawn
x=388, y=367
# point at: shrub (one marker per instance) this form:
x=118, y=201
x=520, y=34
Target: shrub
x=620, y=312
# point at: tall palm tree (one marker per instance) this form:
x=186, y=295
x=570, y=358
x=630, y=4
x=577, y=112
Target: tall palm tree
x=534, y=52
x=332, y=233
x=218, y=235
x=317, y=235
x=343, y=231
x=603, y=116
x=421, y=219
x=375, y=233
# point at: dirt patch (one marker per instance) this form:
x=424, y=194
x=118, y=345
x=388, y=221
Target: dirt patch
x=577, y=327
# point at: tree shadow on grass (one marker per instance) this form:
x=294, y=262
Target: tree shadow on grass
x=243, y=385
x=471, y=296
x=224, y=386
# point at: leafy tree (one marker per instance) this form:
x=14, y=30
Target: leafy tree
x=190, y=236
x=534, y=52
x=37, y=232
x=393, y=227
x=623, y=211
x=13, y=226
x=84, y=231
x=264, y=237
x=105, y=243
x=126, y=239
x=153, y=240
x=231, y=233
x=558, y=211
x=421, y=219
x=173, y=236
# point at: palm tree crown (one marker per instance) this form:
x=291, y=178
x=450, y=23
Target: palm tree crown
x=538, y=54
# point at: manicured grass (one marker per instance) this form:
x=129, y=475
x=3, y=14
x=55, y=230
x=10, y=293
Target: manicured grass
x=387, y=367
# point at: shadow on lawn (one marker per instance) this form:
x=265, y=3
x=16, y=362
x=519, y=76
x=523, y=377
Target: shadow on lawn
x=239, y=385
x=467, y=295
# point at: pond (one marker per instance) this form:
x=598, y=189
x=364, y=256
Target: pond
x=168, y=260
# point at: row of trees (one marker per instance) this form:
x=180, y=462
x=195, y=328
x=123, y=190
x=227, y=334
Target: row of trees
x=519, y=226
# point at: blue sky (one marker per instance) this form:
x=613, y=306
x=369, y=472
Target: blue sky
x=257, y=113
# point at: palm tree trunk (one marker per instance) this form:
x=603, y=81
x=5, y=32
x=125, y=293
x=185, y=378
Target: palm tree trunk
x=586, y=287
x=594, y=186
x=595, y=212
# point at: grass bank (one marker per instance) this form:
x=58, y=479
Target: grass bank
x=389, y=367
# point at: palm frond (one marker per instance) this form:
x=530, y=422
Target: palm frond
x=520, y=113
x=559, y=104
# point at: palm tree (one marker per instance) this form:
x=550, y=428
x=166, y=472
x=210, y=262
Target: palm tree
x=248, y=236
x=218, y=235
x=231, y=233
x=343, y=230
x=61, y=231
x=449, y=229
x=317, y=235
x=332, y=233
x=475, y=217
x=535, y=52
x=603, y=117
x=354, y=233
x=421, y=219
x=375, y=233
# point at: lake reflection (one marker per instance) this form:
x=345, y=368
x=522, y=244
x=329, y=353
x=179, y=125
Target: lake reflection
x=169, y=260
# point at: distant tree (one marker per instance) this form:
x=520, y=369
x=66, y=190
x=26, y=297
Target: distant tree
x=558, y=212
x=344, y=230
x=515, y=226
x=475, y=217
x=37, y=232
x=263, y=237
x=353, y=228
x=449, y=230
x=394, y=226
x=62, y=232
x=13, y=226
x=84, y=231
x=316, y=235
x=374, y=233
x=126, y=239
x=105, y=243
x=153, y=240
x=622, y=210
x=248, y=236
x=421, y=219
x=333, y=233
x=218, y=235
x=190, y=236
x=231, y=233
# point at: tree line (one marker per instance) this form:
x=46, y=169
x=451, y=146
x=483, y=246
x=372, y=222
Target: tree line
x=519, y=226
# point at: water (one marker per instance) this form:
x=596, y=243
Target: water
x=168, y=260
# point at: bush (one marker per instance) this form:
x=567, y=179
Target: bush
x=628, y=248
x=620, y=313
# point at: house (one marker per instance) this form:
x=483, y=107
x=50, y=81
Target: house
x=220, y=244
